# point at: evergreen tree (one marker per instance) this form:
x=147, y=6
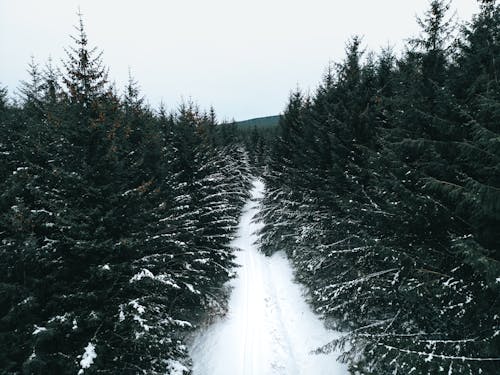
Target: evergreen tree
x=394, y=241
x=115, y=224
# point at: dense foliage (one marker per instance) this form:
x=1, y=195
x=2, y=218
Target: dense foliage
x=115, y=223
x=384, y=189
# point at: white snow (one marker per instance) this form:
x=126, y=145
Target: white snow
x=20, y=169
x=165, y=279
x=144, y=273
x=59, y=318
x=121, y=314
x=191, y=288
x=138, y=318
x=269, y=328
x=38, y=329
x=176, y=368
x=42, y=211
x=181, y=323
x=88, y=357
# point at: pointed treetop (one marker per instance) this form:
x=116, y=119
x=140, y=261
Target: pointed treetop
x=31, y=90
x=436, y=28
x=3, y=97
x=86, y=78
x=132, y=92
x=81, y=37
x=51, y=76
x=350, y=70
x=212, y=116
x=329, y=76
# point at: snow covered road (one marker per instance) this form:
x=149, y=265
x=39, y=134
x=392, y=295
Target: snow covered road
x=269, y=329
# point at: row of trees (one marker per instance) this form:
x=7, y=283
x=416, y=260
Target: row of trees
x=384, y=187
x=114, y=223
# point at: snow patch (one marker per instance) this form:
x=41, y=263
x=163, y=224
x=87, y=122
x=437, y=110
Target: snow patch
x=164, y=279
x=139, y=308
x=59, y=318
x=121, y=314
x=141, y=275
x=38, y=329
x=176, y=368
x=87, y=358
x=182, y=323
x=269, y=329
x=192, y=289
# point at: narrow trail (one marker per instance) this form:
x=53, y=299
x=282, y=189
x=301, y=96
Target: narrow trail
x=269, y=328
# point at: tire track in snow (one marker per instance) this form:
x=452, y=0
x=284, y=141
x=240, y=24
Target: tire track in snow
x=269, y=328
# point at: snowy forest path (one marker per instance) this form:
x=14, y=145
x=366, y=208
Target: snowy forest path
x=269, y=328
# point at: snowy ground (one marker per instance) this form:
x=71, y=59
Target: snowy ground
x=269, y=329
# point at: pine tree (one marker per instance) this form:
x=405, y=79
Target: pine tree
x=398, y=249
x=86, y=77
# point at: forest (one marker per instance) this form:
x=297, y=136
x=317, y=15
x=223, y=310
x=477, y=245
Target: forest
x=382, y=187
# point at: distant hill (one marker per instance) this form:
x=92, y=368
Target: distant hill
x=260, y=122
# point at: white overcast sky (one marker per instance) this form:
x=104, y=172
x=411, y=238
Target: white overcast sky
x=242, y=57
